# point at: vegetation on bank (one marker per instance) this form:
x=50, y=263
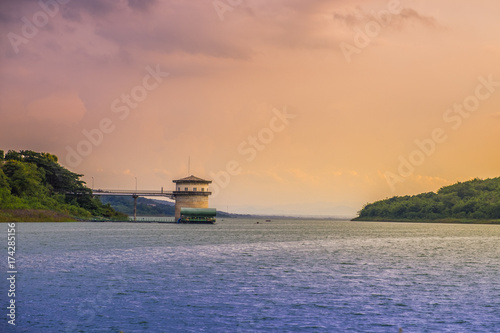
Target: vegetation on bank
x=35, y=187
x=34, y=215
x=474, y=201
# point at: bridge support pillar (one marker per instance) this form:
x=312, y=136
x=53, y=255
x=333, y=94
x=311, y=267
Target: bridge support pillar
x=135, y=206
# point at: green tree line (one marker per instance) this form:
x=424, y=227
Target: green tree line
x=472, y=200
x=36, y=181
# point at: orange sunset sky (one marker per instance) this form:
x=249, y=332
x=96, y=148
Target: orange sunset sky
x=291, y=107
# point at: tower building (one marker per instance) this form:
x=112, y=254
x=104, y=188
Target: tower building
x=190, y=192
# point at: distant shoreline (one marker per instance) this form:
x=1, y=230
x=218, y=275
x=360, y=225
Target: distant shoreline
x=32, y=215
x=438, y=221
x=42, y=215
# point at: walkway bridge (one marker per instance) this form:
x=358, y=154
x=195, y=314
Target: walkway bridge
x=134, y=194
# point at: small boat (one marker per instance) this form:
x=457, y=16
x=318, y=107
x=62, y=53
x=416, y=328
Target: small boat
x=268, y=220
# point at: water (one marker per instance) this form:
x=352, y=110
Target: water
x=239, y=276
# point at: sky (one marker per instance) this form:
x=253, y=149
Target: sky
x=308, y=107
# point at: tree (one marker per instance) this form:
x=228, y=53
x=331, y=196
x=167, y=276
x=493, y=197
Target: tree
x=474, y=199
x=13, y=155
x=31, y=180
x=24, y=178
x=4, y=181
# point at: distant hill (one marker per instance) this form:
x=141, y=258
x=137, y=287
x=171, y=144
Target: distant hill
x=155, y=207
x=145, y=206
x=474, y=200
x=150, y=207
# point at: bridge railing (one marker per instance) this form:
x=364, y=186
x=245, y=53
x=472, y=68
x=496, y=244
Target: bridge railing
x=133, y=193
x=170, y=219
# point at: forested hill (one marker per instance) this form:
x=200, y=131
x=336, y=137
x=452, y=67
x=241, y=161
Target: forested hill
x=35, y=187
x=472, y=200
x=145, y=207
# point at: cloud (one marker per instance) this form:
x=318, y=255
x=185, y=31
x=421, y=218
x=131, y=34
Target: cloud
x=411, y=15
x=61, y=108
x=163, y=174
x=103, y=8
x=191, y=28
x=303, y=176
x=141, y=4
x=136, y=27
x=274, y=176
x=408, y=16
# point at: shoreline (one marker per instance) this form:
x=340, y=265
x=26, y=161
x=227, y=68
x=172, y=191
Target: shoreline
x=438, y=221
x=43, y=215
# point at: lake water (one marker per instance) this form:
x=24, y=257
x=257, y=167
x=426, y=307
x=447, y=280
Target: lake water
x=239, y=276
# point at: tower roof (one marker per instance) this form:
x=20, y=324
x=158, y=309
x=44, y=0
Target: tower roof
x=192, y=179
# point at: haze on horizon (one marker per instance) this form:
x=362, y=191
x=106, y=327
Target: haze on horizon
x=290, y=107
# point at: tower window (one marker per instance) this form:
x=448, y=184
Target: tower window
x=186, y=189
x=203, y=189
x=194, y=189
